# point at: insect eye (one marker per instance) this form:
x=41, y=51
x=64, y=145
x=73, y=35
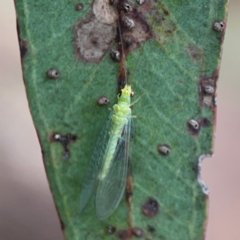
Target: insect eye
x=132, y=94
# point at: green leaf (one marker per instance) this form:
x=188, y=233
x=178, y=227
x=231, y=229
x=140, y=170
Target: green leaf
x=174, y=60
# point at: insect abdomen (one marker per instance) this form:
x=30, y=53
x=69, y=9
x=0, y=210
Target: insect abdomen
x=119, y=119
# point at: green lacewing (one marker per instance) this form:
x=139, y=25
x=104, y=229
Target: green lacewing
x=107, y=170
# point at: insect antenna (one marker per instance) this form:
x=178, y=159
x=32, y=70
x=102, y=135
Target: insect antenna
x=123, y=75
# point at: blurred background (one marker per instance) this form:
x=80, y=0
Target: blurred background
x=27, y=211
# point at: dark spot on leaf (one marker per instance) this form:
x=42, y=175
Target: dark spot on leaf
x=53, y=73
x=65, y=140
x=150, y=208
x=207, y=90
x=151, y=229
x=123, y=234
x=103, y=100
x=162, y=24
x=135, y=29
x=22, y=43
x=137, y=232
x=206, y=122
x=62, y=224
x=111, y=229
x=42, y=152
x=166, y=12
x=195, y=168
x=193, y=126
x=93, y=39
x=219, y=26
x=79, y=6
x=125, y=6
x=128, y=43
x=23, y=47
x=164, y=149
x=196, y=53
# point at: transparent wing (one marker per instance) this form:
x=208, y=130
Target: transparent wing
x=95, y=165
x=110, y=189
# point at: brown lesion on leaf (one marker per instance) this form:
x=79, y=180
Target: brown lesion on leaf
x=151, y=229
x=137, y=232
x=123, y=234
x=129, y=198
x=137, y=24
x=194, y=126
x=93, y=39
x=205, y=122
x=22, y=43
x=62, y=224
x=104, y=11
x=65, y=141
x=111, y=229
x=195, y=53
x=137, y=34
x=150, y=208
x=79, y=6
x=159, y=17
x=208, y=91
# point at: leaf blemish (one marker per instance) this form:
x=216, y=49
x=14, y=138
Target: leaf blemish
x=103, y=100
x=195, y=52
x=65, y=140
x=129, y=196
x=79, y=6
x=164, y=149
x=193, y=126
x=135, y=29
x=219, y=26
x=105, y=11
x=206, y=122
x=137, y=232
x=22, y=43
x=111, y=229
x=53, y=73
x=93, y=39
x=161, y=21
x=207, y=91
x=128, y=22
x=127, y=7
x=123, y=234
x=151, y=229
x=150, y=208
x=62, y=224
